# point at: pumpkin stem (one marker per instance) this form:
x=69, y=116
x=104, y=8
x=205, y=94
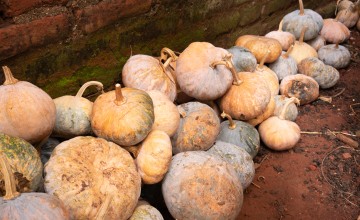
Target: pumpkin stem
x=228, y=63
x=166, y=57
x=286, y=105
x=302, y=34
x=182, y=111
x=281, y=25
x=286, y=55
x=9, y=179
x=263, y=59
x=9, y=78
x=133, y=150
x=301, y=6
x=82, y=89
x=100, y=215
x=232, y=124
x=337, y=45
x=120, y=99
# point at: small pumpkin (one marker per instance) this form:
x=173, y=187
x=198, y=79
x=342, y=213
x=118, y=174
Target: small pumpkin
x=335, y=55
x=201, y=185
x=73, y=113
x=198, y=129
x=243, y=59
x=326, y=76
x=29, y=206
x=285, y=38
x=272, y=131
x=291, y=112
x=113, y=113
x=300, y=86
x=302, y=50
x=348, y=15
x=334, y=31
x=317, y=42
x=285, y=65
x=26, y=110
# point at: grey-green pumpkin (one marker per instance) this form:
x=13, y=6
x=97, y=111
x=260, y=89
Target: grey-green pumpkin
x=243, y=59
x=335, y=55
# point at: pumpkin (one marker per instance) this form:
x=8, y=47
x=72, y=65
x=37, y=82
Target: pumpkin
x=285, y=38
x=343, y=5
x=93, y=177
x=48, y=148
x=16, y=206
x=241, y=160
x=278, y=133
x=239, y=133
x=302, y=50
x=201, y=185
x=303, y=87
x=291, y=112
x=24, y=161
x=73, y=113
x=243, y=59
x=317, y=42
x=269, y=111
x=167, y=117
x=124, y=116
x=349, y=15
x=146, y=211
x=294, y=22
x=285, y=65
x=26, y=110
x=334, y=31
x=198, y=129
x=326, y=76
x=259, y=45
x=335, y=55
x=198, y=63
x=146, y=73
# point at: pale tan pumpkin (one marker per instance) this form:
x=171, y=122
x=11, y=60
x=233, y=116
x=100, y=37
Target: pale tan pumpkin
x=334, y=31
x=348, y=15
x=302, y=50
x=285, y=38
x=269, y=111
x=317, y=42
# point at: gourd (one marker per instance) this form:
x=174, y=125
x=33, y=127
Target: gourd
x=269, y=75
x=291, y=112
x=348, y=14
x=113, y=113
x=239, y=133
x=26, y=110
x=201, y=185
x=73, y=113
x=278, y=133
x=146, y=73
x=302, y=50
x=294, y=22
x=26, y=206
x=335, y=55
x=197, y=63
x=326, y=76
x=343, y=5
x=146, y=212
x=285, y=65
x=24, y=161
x=167, y=117
x=93, y=176
x=317, y=42
x=259, y=46
x=285, y=38
x=334, y=31
x=241, y=160
x=198, y=129
x=269, y=111
x=243, y=59
x=303, y=87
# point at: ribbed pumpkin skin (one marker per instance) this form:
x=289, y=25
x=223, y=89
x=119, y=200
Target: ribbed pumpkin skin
x=301, y=51
x=284, y=66
x=291, y=111
x=125, y=124
x=243, y=59
x=241, y=160
x=334, y=31
x=270, y=77
x=146, y=212
x=83, y=171
x=33, y=206
x=146, y=73
x=23, y=159
x=269, y=111
x=26, y=112
x=202, y=186
x=244, y=135
x=247, y=100
x=194, y=66
x=348, y=17
x=337, y=57
x=325, y=75
x=286, y=39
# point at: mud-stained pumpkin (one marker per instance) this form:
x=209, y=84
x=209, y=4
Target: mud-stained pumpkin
x=335, y=55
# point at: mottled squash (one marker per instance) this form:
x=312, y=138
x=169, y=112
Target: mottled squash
x=335, y=55
x=285, y=65
x=146, y=212
x=243, y=59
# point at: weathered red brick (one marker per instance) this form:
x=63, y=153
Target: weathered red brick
x=16, y=39
x=94, y=17
x=13, y=8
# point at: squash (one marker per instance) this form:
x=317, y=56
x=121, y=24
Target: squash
x=291, y=112
x=243, y=59
x=317, y=42
x=201, y=185
x=334, y=31
x=198, y=129
x=26, y=110
x=335, y=55
x=197, y=63
x=167, y=117
x=269, y=111
x=285, y=65
x=73, y=113
x=326, y=76
x=285, y=38
x=238, y=157
x=294, y=22
x=124, y=116
x=16, y=206
x=302, y=50
x=349, y=15
x=146, y=73
x=24, y=161
x=239, y=133
x=146, y=212
x=278, y=133
x=93, y=177
x=343, y=5
x=303, y=87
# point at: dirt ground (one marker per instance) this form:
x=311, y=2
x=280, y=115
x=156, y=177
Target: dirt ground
x=320, y=177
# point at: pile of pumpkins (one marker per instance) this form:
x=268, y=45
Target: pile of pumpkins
x=192, y=121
